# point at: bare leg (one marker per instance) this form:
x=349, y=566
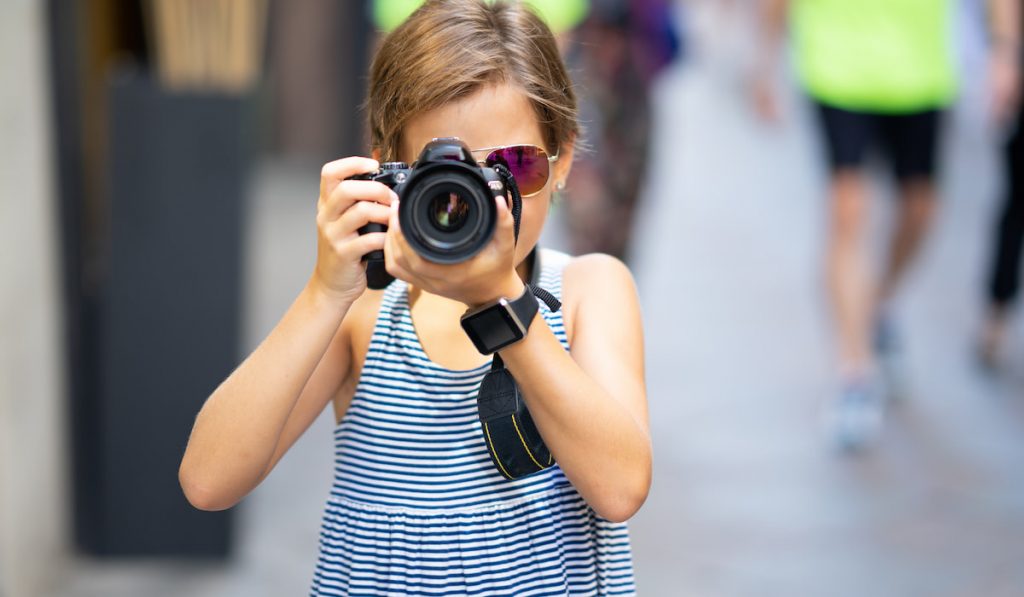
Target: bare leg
x=993, y=334
x=917, y=208
x=1004, y=276
x=849, y=282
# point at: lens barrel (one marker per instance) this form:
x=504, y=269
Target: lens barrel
x=447, y=211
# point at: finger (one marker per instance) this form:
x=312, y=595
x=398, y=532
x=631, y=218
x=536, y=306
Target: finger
x=351, y=191
x=394, y=214
x=359, y=215
x=390, y=253
x=504, y=233
x=394, y=228
x=401, y=273
x=334, y=172
x=389, y=245
x=363, y=244
x=397, y=246
x=405, y=256
x=415, y=269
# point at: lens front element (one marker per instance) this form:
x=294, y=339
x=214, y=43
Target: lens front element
x=449, y=211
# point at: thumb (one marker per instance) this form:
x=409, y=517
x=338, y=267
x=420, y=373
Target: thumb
x=505, y=230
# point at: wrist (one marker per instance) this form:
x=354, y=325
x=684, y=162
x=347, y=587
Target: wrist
x=494, y=325
x=323, y=295
x=510, y=288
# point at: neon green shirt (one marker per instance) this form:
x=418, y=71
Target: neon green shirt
x=888, y=56
x=560, y=15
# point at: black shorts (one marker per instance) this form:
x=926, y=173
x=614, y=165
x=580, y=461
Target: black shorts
x=909, y=140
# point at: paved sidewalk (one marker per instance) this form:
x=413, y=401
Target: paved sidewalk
x=748, y=500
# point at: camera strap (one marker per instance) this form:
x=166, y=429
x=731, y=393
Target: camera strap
x=514, y=444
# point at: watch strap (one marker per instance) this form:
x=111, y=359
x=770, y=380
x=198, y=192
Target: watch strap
x=517, y=314
x=525, y=307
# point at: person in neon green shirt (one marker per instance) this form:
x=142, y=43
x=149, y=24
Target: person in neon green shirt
x=880, y=56
x=878, y=71
x=560, y=15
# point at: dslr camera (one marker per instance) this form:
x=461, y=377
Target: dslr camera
x=447, y=210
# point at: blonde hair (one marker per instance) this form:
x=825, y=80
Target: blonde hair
x=449, y=49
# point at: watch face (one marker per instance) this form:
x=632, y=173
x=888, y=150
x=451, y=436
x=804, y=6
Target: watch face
x=492, y=329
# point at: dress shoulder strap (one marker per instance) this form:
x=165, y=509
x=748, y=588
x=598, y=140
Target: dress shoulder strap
x=549, y=275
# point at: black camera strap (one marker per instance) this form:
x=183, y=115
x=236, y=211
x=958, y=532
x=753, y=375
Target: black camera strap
x=513, y=441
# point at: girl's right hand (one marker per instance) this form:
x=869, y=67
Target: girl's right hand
x=344, y=207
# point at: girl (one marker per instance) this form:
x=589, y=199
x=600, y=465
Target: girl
x=417, y=507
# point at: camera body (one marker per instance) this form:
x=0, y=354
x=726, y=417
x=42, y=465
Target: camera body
x=446, y=205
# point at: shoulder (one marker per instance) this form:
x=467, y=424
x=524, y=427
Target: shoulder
x=596, y=286
x=595, y=270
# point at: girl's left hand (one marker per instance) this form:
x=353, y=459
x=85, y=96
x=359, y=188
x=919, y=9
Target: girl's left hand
x=487, y=276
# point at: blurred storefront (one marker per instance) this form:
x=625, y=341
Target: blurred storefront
x=123, y=220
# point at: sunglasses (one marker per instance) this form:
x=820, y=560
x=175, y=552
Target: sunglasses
x=530, y=165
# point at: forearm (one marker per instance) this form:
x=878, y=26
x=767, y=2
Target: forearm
x=772, y=16
x=1004, y=19
x=603, y=450
x=238, y=428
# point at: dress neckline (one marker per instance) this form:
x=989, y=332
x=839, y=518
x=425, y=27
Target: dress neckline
x=407, y=316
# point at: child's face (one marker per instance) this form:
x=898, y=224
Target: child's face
x=495, y=116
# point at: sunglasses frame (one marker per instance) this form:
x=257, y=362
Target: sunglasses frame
x=551, y=160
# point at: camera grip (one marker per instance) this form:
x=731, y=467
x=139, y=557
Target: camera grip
x=377, y=276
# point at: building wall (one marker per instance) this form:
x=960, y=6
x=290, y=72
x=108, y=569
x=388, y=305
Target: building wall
x=33, y=486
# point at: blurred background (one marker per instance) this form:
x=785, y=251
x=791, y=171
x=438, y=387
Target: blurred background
x=159, y=166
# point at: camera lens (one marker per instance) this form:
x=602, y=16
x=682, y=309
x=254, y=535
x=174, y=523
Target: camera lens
x=449, y=211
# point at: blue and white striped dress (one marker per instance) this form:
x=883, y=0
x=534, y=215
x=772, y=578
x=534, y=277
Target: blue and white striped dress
x=417, y=507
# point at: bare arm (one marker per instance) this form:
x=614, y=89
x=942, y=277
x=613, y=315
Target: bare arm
x=1004, y=22
x=1005, y=61
x=259, y=411
x=772, y=17
x=232, y=446
x=591, y=405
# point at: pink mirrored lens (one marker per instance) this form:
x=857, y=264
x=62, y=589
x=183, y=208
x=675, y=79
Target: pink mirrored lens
x=528, y=164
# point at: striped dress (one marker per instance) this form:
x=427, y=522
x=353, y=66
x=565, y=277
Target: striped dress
x=417, y=507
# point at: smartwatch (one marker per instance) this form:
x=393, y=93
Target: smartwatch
x=501, y=323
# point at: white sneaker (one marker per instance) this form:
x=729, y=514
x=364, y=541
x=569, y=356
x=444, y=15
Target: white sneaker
x=854, y=419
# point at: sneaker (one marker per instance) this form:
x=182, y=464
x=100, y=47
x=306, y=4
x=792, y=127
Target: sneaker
x=854, y=419
x=891, y=359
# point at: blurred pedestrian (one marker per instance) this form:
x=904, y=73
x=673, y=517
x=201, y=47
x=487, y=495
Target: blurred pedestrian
x=1006, y=73
x=618, y=52
x=878, y=72
x=559, y=15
